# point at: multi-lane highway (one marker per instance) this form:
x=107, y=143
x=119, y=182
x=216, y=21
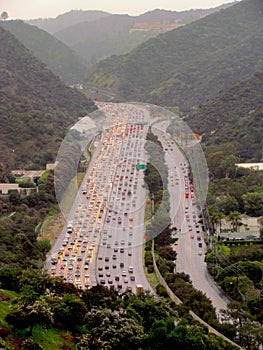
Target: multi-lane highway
x=103, y=240
x=184, y=216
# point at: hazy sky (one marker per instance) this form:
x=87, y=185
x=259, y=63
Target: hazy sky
x=26, y=9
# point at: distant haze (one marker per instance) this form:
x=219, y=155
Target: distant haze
x=29, y=9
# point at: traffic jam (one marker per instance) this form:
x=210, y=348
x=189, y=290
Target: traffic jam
x=102, y=233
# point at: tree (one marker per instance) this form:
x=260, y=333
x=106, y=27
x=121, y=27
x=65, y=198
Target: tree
x=235, y=218
x=253, y=203
x=69, y=310
x=4, y=15
x=114, y=329
x=24, y=315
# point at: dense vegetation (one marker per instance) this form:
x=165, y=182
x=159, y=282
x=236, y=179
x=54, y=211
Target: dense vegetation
x=232, y=188
x=187, y=65
x=46, y=313
x=36, y=108
x=21, y=219
x=59, y=58
x=236, y=116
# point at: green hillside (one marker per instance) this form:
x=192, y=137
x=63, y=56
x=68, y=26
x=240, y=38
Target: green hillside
x=36, y=107
x=235, y=115
x=192, y=63
x=59, y=58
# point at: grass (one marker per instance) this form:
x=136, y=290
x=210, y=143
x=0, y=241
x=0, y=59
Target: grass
x=152, y=278
x=4, y=305
x=51, y=339
x=52, y=226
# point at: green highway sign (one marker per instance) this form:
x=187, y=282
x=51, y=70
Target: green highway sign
x=140, y=166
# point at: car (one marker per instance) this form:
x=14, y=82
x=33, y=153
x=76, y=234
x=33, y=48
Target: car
x=122, y=250
x=114, y=266
x=117, y=278
x=119, y=286
x=100, y=274
x=102, y=282
x=129, y=253
x=108, y=274
x=130, y=269
x=200, y=252
x=107, y=258
x=126, y=280
x=114, y=256
x=132, y=278
x=100, y=268
x=123, y=273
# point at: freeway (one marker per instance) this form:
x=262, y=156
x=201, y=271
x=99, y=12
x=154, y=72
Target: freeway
x=102, y=242
x=184, y=216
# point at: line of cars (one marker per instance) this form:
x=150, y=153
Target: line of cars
x=106, y=216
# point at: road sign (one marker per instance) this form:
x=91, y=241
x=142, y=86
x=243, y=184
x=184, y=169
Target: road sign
x=140, y=166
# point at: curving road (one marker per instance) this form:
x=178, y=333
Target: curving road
x=184, y=216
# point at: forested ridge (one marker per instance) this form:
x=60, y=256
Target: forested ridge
x=36, y=108
x=188, y=65
x=236, y=116
x=58, y=57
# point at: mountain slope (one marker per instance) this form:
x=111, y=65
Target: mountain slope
x=58, y=57
x=235, y=115
x=190, y=64
x=36, y=108
x=119, y=34
x=52, y=25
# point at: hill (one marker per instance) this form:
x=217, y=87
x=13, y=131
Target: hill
x=118, y=34
x=52, y=25
x=36, y=107
x=187, y=65
x=235, y=115
x=59, y=58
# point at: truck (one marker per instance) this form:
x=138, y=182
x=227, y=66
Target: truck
x=139, y=288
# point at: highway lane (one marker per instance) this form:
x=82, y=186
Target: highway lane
x=184, y=215
x=103, y=240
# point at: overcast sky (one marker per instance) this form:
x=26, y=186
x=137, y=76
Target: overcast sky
x=26, y=9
